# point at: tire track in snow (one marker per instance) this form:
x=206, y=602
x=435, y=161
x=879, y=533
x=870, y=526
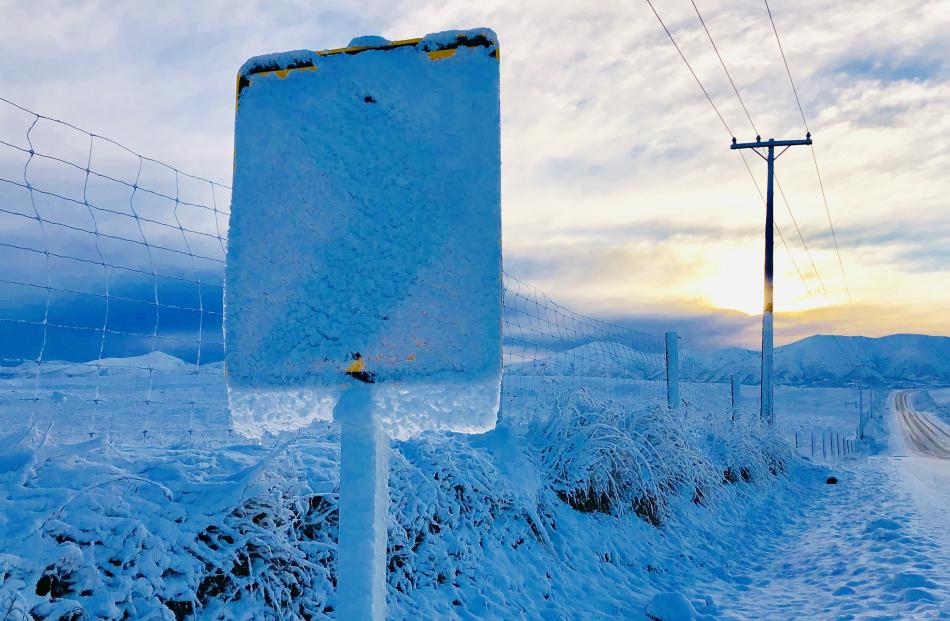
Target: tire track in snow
x=925, y=434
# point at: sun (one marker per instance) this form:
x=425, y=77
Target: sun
x=732, y=278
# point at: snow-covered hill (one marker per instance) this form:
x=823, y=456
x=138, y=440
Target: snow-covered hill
x=899, y=359
x=595, y=359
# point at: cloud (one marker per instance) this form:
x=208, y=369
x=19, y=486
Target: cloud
x=621, y=197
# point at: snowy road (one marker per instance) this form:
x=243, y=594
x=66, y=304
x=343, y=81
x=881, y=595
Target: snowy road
x=924, y=433
x=921, y=452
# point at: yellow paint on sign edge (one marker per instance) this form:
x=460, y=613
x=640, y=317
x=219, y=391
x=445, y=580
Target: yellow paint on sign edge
x=282, y=73
x=440, y=54
x=357, y=366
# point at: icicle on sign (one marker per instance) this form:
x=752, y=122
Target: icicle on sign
x=365, y=236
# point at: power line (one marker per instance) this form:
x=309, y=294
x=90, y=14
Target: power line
x=811, y=259
x=778, y=229
x=748, y=168
x=744, y=160
x=723, y=63
x=788, y=206
x=814, y=156
x=787, y=70
x=690, y=67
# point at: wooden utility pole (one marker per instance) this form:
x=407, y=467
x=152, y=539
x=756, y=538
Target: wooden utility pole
x=766, y=411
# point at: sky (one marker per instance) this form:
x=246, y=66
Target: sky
x=621, y=198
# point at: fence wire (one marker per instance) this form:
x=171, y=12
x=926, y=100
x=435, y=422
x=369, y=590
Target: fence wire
x=111, y=302
x=111, y=276
x=549, y=349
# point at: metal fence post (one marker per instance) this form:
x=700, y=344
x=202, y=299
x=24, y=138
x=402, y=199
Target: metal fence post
x=672, y=371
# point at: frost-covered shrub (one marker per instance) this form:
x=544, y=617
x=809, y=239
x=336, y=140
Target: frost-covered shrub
x=242, y=532
x=746, y=451
x=448, y=504
x=443, y=499
x=172, y=533
x=599, y=456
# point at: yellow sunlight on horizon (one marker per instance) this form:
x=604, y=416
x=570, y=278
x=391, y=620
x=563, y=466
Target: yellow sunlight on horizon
x=731, y=278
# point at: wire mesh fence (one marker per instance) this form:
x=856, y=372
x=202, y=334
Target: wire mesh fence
x=549, y=349
x=111, y=302
x=111, y=268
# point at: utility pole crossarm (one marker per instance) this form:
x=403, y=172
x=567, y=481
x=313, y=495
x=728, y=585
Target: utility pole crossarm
x=760, y=144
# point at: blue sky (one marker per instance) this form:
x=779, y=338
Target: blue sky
x=621, y=198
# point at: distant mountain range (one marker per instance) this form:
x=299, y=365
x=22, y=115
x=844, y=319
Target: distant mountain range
x=899, y=359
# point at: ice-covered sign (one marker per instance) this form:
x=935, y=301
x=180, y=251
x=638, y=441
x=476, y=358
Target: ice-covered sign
x=365, y=237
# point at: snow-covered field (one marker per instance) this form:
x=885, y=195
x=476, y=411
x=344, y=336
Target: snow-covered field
x=588, y=511
x=941, y=399
x=155, y=399
x=941, y=395
x=128, y=524
x=812, y=412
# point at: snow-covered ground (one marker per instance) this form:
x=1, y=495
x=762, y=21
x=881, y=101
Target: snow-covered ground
x=155, y=399
x=499, y=525
x=816, y=413
x=941, y=399
x=941, y=395
x=856, y=550
x=876, y=545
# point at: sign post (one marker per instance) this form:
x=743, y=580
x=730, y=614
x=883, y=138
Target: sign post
x=363, y=280
x=364, y=504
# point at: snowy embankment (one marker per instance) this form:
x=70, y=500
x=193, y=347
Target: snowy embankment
x=588, y=512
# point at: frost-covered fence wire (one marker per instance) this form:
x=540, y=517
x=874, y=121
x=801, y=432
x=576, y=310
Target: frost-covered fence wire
x=111, y=302
x=704, y=396
x=111, y=269
x=549, y=349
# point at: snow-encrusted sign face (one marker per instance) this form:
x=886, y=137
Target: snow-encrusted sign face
x=365, y=236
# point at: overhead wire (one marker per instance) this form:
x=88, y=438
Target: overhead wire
x=821, y=184
x=690, y=67
x=748, y=115
x=745, y=161
x=788, y=206
x=729, y=131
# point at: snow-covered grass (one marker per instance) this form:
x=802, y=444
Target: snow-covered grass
x=818, y=412
x=941, y=402
x=526, y=520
